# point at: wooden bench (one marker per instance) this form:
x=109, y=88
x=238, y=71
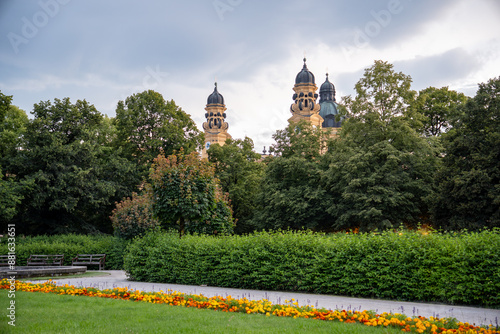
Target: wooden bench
x=45, y=260
x=4, y=261
x=89, y=259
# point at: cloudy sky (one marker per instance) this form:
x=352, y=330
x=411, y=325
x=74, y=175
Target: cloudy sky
x=104, y=51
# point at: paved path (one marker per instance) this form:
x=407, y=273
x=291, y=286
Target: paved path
x=478, y=316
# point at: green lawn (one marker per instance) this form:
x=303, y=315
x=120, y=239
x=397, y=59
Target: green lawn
x=48, y=313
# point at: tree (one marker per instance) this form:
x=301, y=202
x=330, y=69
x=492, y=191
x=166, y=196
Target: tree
x=148, y=126
x=186, y=197
x=76, y=174
x=469, y=182
x=300, y=139
x=292, y=194
x=5, y=101
x=12, y=128
x=240, y=174
x=440, y=109
x=380, y=170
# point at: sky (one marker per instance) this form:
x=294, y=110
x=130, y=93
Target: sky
x=104, y=51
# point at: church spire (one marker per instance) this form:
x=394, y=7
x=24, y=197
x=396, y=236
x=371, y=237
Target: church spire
x=215, y=126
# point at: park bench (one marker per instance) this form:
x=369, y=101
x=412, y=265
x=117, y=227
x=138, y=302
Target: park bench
x=4, y=261
x=45, y=260
x=90, y=259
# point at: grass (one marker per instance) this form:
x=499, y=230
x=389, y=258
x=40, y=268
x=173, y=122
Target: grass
x=48, y=313
x=86, y=274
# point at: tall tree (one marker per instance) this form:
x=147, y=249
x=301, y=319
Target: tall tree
x=469, y=182
x=12, y=129
x=292, y=195
x=240, y=174
x=186, y=196
x=76, y=174
x=380, y=170
x=147, y=125
x=12, y=126
x=5, y=101
x=440, y=108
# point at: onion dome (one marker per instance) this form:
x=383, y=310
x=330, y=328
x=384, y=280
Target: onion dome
x=327, y=91
x=215, y=97
x=304, y=76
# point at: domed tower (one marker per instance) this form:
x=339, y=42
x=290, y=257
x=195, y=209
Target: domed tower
x=329, y=108
x=215, y=127
x=305, y=106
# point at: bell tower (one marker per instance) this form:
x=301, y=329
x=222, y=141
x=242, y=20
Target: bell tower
x=215, y=126
x=305, y=106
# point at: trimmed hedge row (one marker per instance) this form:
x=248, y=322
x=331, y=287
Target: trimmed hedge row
x=449, y=268
x=70, y=245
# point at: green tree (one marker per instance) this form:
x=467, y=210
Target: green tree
x=186, y=196
x=292, y=194
x=76, y=174
x=147, y=126
x=300, y=140
x=469, y=182
x=5, y=101
x=240, y=174
x=12, y=128
x=380, y=170
x=440, y=108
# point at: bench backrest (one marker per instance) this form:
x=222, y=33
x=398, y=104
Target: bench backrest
x=90, y=258
x=46, y=259
x=4, y=260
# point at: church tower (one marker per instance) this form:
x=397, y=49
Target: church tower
x=215, y=127
x=329, y=107
x=305, y=106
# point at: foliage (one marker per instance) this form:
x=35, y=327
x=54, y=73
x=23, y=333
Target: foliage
x=399, y=265
x=469, y=182
x=292, y=193
x=76, y=174
x=147, y=125
x=292, y=196
x=5, y=102
x=380, y=170
x=299, y=139
x=240, y=175
x=133, y=216
x=12, y=128
x=440, y=108
x=186, y=195
x=11, y=195
x=70, y=245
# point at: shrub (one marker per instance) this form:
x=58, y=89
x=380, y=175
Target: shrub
x=133, y=216
x=457, y=268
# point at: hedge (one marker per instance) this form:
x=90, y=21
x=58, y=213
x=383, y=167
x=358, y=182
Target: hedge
x=70, y=245
x=452, y=268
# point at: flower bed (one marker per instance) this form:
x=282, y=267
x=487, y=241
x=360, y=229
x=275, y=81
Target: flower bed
x=264, y=307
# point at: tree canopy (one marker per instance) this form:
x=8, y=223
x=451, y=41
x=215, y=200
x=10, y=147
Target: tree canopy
x=185, y=195
x=147, y=126
x=469, y=182
x=440, y=108
x=240, y=173
x=380, y=170
x=76, y=174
